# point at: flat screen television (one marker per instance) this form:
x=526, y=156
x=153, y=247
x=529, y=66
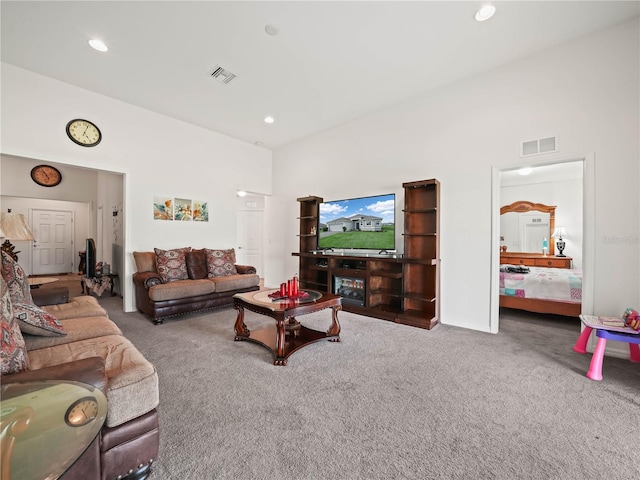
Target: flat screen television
x=358, y=223
x=90, y=258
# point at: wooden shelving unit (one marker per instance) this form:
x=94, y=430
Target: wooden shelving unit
x=309, y=275
x=403, y=289
x=421, y=306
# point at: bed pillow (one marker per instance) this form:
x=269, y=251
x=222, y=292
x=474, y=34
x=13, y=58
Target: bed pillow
x=13, y=352
x=221, y=263
x=172, y=264
x=35, y=321
x=17, y=280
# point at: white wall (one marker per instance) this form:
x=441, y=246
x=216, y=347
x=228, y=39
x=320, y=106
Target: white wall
x=77, y=185
x=585, y=92
x=159, y=156
x=110, y=201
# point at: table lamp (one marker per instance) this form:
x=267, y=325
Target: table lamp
x=558, y=233
x=13, y=227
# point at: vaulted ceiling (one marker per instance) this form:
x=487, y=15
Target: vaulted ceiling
x=329, y=63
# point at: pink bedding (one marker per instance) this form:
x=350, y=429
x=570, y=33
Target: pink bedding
x=558, y=284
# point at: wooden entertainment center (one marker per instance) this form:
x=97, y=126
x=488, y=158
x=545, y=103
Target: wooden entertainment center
x=403, y=288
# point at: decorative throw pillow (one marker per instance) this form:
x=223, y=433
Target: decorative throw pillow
x=13, y=353
x=172, y=264
x=145, y=261
x=197, y=264
x=17, y=280
x=221, y=263
x=34, y=320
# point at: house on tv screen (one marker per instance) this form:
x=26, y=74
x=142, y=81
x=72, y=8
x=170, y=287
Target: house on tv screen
x=363, y=223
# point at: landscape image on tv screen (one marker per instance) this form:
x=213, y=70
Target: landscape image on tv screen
x=362, y=223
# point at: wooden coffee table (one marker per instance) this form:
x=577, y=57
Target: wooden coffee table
x=287, y=335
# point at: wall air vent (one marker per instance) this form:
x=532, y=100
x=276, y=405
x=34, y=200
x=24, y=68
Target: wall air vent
x=542, y=145
x=222, y=75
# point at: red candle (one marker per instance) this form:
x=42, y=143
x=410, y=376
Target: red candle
x=283, y=289
x=289, y=288
x=295, y=286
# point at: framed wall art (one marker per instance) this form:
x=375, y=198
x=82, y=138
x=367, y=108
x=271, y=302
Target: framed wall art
x=200, y=211
x=182, y=210
x=162, y=208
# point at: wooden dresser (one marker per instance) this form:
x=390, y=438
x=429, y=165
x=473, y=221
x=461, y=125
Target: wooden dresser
x=535, y=260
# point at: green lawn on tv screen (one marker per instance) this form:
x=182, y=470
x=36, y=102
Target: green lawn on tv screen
x=354, y=239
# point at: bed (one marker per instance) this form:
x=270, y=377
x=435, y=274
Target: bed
x=542, y=290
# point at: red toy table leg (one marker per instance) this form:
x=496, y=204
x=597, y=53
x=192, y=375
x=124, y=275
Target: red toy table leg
x=595, y=368
x=634, y=352
x=581, y=343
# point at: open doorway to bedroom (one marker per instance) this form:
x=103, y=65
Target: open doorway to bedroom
x=541, y=219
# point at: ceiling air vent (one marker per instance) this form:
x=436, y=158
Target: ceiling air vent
x=542, y=145
x=222, y=75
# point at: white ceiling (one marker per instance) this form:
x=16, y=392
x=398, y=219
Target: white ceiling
x=330, y=63
x=543, y=174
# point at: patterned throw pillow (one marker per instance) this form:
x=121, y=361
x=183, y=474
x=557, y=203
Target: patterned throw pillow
x=13, y=353
x=221, y=263
x=17, y=280
x=34, y=320
x=172, y=264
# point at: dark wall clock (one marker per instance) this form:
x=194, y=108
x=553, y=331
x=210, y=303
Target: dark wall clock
x=84, y=132
x=46, y=175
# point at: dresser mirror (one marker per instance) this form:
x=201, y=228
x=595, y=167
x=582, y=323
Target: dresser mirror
x=525, y=225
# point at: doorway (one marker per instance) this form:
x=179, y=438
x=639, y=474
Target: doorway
x=249, y=232
x=53, y=247
x=585, y=255
x=85, y=192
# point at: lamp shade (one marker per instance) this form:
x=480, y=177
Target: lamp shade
x=560, y=232
x=14, y=227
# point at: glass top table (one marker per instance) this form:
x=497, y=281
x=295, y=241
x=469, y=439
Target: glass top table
x=287, y=335
x=47, y=426
x=278, y=303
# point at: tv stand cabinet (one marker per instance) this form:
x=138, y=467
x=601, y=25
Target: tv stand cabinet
x=403, y=289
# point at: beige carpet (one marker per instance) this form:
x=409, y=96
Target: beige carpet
x=387, y=402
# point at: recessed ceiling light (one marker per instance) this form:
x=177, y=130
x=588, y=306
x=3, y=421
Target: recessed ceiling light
x=98, y=45
x=525, y=171
x=271, y=30
x=241, y=193
x=485, y=13
x=269, y=119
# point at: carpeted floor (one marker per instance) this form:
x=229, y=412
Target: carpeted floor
x=388, y=401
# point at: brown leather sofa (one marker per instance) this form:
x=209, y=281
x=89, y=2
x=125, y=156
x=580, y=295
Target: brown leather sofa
x=94, y=351
x=160, y=299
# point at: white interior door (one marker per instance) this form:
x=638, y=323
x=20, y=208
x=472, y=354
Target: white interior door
x=249, y=235
x=53, y=245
